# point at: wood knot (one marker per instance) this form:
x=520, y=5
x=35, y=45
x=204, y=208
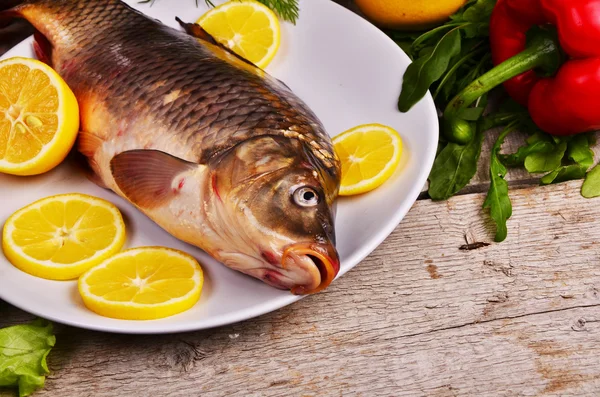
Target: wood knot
x=579, y=325
x=473, y=246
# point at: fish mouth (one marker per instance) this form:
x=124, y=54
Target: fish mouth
x=321, y=261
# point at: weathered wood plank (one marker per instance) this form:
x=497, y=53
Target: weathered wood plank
x=421, y=316
x=548, y=354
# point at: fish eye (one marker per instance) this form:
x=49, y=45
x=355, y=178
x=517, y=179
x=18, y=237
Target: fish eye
x=306, y=196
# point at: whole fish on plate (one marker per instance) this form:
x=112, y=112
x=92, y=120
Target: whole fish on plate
x=211, y=148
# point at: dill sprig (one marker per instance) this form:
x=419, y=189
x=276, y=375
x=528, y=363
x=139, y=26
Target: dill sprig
x=288, y=10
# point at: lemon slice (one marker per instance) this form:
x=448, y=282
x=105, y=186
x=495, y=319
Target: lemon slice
x=39, y=117
x=369, y=155
x=143, y=284
x=60, y=237
x=247, y=27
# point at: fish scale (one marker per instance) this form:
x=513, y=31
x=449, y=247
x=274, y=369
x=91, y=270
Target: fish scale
x=213, y=149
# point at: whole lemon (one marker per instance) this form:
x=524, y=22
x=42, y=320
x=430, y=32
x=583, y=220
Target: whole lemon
x=408, y=14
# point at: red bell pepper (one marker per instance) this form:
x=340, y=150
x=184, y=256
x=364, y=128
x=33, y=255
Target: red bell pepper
x=569, y=102
x=547, y=54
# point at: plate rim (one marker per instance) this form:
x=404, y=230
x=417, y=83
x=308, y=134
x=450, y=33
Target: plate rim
x=280, y=302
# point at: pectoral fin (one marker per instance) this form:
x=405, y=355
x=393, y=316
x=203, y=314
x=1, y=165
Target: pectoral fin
x=88, y=144
x=148, y=178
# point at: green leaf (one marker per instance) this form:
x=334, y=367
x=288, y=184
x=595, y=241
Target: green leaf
x=563, y=174
x=474, y=72
x=428, y=69
x=471, y=114
x=453, y=168
x=431, y=37
x=497, y=199
x=458, y=16
x=518, y=158
x=23, y=352
x=446, y=84
x=405, y=40
x=477, y=13
x=546, y=161
x=579, y=151
x=472, y=30
x=480, y=11
x=447, y=87
x=591, y=185
x=539, y=136
x=406, y=46
x=425, y=51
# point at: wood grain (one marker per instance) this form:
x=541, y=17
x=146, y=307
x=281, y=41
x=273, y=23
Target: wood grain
x=437, y=310
x=423, y=315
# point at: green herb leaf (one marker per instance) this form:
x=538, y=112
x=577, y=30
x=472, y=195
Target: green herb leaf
x=405, y=43
x=477, y=13
x=453, y=168
x=458, y=16
x=591, y=185
x=471, y=114
x=546, y=161
x=563, y=174
x=446, y=87
x=518, y=158
x=579, y=151
x=472, y=30
x=431, y=37
x=468, y=52
x=428, y=69
x=286, y=9
x=23, y=352
x=480, y=11
x=497, y=199
x=473, y=73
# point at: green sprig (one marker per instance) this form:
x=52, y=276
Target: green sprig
x=288, y=10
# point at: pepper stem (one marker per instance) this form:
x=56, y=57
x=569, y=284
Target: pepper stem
x=543, y=52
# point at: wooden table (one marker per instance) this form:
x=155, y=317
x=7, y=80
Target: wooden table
x=421, y=316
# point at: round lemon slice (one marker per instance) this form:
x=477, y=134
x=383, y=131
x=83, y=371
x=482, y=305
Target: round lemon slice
x=247, y=27
x=143, y=284
x=39, y=117
x=369, y=154
x=60, y=237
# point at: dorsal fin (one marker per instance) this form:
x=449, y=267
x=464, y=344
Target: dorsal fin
x=195, y=30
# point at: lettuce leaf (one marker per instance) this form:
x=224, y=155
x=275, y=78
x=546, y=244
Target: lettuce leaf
x=23, y=352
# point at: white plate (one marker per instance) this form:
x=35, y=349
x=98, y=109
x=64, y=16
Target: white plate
x=349, y=73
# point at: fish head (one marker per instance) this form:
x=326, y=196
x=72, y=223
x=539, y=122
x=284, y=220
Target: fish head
x=280, y=200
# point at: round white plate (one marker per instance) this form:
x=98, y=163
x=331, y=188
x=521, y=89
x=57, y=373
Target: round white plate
x=349, y=73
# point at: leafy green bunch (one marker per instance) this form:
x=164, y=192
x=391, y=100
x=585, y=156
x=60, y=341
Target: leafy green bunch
x=446, y=59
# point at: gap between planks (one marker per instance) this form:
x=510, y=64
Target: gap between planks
x=421, y=315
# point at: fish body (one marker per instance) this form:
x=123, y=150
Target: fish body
x=213, y=149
